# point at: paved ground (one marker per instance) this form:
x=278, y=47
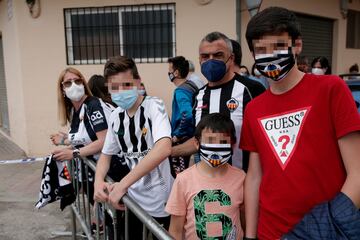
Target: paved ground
x=19, y=191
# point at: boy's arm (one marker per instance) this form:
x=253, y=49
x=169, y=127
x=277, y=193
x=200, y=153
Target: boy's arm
x=350, y=152
x=176, y=228
x=159, y=153
x=102, y=167
x=185, y=149
x=252, y=183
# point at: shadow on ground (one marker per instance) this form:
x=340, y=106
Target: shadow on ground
x=19, y=190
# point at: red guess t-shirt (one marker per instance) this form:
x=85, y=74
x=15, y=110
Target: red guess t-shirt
x=296, y=136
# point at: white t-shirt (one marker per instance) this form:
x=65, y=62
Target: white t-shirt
x=134, y=137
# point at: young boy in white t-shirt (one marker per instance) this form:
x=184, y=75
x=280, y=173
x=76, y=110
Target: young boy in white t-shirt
x=206, y=199
x=140, y=130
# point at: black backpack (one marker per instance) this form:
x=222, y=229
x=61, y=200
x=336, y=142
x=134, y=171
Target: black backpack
x=190, y=87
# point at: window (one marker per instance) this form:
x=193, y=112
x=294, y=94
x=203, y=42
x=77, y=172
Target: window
x=353, y=26
x=143, y=32
x=317, y=36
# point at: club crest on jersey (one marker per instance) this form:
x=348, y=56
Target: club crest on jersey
x=120, y=132
x=282, y=132
x=65, y=173
x=232, y=104
x=144, y=131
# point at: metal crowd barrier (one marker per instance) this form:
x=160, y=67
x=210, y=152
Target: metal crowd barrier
x=82, y=211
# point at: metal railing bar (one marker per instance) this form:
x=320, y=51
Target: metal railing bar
x=82, y=223
x=149, y=222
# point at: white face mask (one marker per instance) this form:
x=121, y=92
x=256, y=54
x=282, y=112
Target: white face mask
x=317, y=71
x=256, y=72
x=141, y=92
x=75, y=92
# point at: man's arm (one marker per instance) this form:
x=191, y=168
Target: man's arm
x=176, y=228
x=350, y=152
x=252, y=184
x=102, y=167
x=185, y=149
x=159, y=153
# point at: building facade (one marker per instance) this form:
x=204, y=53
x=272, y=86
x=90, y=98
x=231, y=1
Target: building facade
x=83, y=34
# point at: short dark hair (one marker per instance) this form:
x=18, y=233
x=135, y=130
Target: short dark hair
x=120, y=64
x=214, y=36
x=272, y=20
x=354, y=68
x=324, y=62
x=218, y=123
x=247, y=70
x=97, y=86
x=237, y=52
x=302, y=60
x=181, y=64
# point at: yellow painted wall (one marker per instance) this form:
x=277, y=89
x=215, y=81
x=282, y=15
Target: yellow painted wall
x=40, y=55
x=35, y=53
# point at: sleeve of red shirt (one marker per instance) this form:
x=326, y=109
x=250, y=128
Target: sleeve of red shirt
x=345, y=116
x=247, y=139
x=176, y=204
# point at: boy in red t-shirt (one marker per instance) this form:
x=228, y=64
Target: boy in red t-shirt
x=206, y=199
x=303, y=135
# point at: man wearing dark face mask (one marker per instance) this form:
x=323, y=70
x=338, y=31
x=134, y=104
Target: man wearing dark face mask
x=182, y=122
x=224, y=92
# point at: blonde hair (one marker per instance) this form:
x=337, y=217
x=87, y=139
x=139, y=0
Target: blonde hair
x=64, y=103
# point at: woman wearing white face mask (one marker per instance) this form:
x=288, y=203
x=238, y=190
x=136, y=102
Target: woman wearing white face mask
x=87, y=118
x=320, y=66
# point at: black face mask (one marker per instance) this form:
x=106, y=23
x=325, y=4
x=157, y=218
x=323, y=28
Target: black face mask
x=171, y=76
x=275, y=66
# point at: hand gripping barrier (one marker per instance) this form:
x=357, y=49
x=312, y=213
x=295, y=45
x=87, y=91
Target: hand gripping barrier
x=84, y=213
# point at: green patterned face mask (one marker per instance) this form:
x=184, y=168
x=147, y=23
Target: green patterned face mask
x=215, y=154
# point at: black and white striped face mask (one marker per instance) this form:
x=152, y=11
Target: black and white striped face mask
x=215, y=155
x=275, y=65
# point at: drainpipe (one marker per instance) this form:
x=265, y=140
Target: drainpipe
x=238, y=20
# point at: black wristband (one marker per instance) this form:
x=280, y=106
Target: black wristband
x=246, y=238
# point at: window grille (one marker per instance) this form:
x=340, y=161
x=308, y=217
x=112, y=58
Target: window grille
x=145, y=33
x=353, y=26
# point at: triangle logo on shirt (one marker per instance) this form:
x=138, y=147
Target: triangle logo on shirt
x=282, y=132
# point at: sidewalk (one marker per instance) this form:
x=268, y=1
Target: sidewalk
x=19, y=191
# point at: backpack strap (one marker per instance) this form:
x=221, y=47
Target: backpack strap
x=189, y=86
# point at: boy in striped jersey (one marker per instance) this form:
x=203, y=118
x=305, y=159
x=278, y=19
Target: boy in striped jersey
x=140, y=130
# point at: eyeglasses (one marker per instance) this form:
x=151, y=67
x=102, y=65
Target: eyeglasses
x=69, y=82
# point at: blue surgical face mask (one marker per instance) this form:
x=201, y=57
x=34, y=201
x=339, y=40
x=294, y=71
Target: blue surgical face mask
x=141, y=92
x=126, y=98
x=214, y=70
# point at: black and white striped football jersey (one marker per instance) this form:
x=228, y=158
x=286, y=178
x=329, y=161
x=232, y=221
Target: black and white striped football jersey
x=134, y=137
x=229, y=99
